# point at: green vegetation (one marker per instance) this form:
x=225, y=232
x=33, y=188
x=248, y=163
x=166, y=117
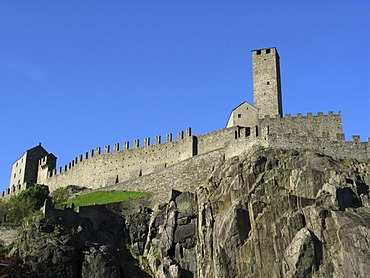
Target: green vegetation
x=60, y=196
x=104, y=197
x=23, y=205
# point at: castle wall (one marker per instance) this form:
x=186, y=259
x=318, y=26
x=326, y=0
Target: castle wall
x=215, y=140
x=319, y=125
x=97, y=170
x=338, y=148
x=184, y=176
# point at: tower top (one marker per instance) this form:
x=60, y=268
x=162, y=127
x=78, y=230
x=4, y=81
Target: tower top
x=267, y=50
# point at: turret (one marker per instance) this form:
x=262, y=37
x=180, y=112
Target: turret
x=46, y=166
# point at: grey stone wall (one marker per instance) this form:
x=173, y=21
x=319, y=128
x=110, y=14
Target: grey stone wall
x=215, y=140
x=101, y=170
x=184, y=176
x=178, y=163
x=319, y=125
x=338, y=148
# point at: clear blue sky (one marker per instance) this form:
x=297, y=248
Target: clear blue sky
x=76, y=75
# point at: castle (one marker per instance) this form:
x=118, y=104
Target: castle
x=248, y=125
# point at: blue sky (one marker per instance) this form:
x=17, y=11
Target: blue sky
x=76, y=75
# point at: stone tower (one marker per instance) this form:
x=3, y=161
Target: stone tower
x=266, y=82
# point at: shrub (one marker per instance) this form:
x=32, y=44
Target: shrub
x=24, y=204
x=60, y=195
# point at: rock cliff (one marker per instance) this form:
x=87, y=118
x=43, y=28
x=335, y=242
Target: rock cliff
x=265, y=213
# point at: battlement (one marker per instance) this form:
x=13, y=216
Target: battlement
x=308, y=115
x=107, y=150
x=100, y=167
x=14, y=190
x=338, y=147
x=312, y=125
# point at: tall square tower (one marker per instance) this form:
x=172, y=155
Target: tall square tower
x=266, y=82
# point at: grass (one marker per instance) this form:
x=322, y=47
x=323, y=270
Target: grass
x=104, y=197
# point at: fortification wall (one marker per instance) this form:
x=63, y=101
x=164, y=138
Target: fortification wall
x=184, y=176
x=216, y=140
x=96, y=169
x=311, y=125
x=338, y=148
x=14, y=190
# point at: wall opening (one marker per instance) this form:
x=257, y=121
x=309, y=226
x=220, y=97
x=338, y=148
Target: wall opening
x=247, y=131
x=239, y=116
x=256, y=130
x=259, y=52
x=268, y=51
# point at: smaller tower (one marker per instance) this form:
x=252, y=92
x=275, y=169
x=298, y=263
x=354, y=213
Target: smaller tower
x=266, y=82
x=46, y=165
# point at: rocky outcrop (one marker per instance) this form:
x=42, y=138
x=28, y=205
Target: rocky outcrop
x=86, y=244
x=276, y=213
x=266, y=213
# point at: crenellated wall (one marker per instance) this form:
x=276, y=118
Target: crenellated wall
x=117, y=164
x=338, y=148
x=96, y=169
x=311, y=125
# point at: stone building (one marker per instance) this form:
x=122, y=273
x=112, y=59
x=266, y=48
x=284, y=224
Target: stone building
x=26, y=169
x=248, y=125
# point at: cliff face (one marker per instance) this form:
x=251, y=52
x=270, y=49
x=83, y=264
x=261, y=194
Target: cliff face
x=273, y=213
x=265, y=213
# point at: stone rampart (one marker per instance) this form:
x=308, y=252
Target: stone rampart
x=311, y=125
x=14, y=190
x=131, y=167
x=95, y=169
x=216, y=140
x=184, y=176
x=338, y=148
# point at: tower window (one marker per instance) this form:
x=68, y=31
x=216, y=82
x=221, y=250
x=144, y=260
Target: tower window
x=268, y=51
x=239, y=116
x=268, y=82
x=258, y=52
